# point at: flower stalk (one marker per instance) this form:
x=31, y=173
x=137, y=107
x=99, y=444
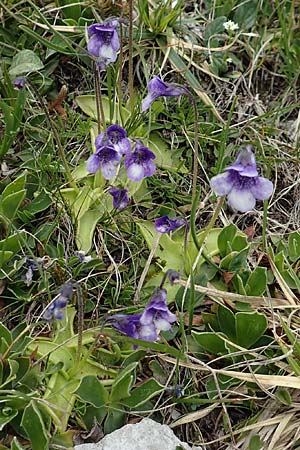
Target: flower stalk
x=130, y=53
x=99, y=104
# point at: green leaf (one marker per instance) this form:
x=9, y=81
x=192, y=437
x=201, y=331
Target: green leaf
x=284, y=396
x=86, y=228
x=14, y=242
x=4, y=257
x=143, y=393
x=294, y=246
x=88, y=105
x=92, y=391
x=5, y=333
x=10, y=204
x=115, y=419
x=214, y=27
x=15, y=445
x=245, y=14
x=226, y=237
x=164, y=155
x=25, y=61
x=239, y=260
x=40, y=203
x=73, y=11
x=34, y=427
x=250, y=326
x=255, y=443
x=257, y=282
x=226, y=321
x=6, y=415
x=123, y=382
x=210, y=342
x=15, y=186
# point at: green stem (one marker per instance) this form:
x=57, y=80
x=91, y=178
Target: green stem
x=211, y=222
x=146, y=268
x=196, y=146
x=56, y=136
x=99, y=105
x=130, y=52
x=120, y=92
x=80, y=321
x=264, y=227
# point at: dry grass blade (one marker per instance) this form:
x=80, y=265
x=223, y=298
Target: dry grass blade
x=253, y=300
x=287, y=381
x=192, y=417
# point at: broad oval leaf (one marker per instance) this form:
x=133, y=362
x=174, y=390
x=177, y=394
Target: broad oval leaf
x=25, y=61
x=92, y=391
x=250, y=326
x=210, y=342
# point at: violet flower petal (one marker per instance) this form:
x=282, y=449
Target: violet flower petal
x=93, y=163
x=120, y=198
x=262, y=189
x=241, y=199
x=222, y=184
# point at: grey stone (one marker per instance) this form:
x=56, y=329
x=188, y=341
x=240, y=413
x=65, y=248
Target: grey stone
x=145, y=435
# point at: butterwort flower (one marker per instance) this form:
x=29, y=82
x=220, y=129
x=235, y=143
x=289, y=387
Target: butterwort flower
x=139, y=163
x=173, y=276
x=56, y=308
x=120, y=198
x=165, y=225
x=19, y=82
x=241, y=183
x=157, y=312
x=105, y=158
x=118, y=137
x=158, y=88
x=104, y=43
x=82, y=256
x=131, y=326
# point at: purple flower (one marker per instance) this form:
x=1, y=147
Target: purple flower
x=157, y=312
x=241, y=183
x=82, y=256
x=105, y=158
x=116, y=137
x=120, y=198
x=55, y=309
x=164, y=224
x=158, y=88
x=139, y=164
x=19, y=82
x=104, y=43
x=131, y=326
x=173, y=276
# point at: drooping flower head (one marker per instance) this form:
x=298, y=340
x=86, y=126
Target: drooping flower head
x=157, y=311
x=117, y=137
x=139, y=163
x=104, y=43
x=131, y=326
x=165, y=225
x=120, y=198
x=158, y=88
x=105, y=158
x=55, y=309
x=241, y=183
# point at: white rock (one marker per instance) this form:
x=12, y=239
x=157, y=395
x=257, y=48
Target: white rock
x=145, y=435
